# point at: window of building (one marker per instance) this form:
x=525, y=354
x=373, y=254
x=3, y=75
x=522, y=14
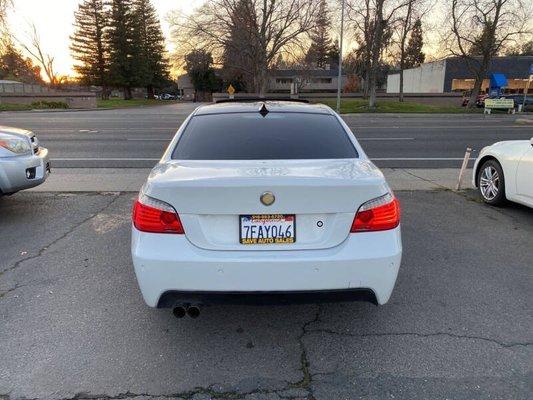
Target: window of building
x=321, y=80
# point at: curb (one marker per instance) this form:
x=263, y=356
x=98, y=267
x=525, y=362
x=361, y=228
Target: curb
x=524, y=121
x=59, y=110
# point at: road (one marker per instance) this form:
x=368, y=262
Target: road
x=137, y=137
x=73, y=324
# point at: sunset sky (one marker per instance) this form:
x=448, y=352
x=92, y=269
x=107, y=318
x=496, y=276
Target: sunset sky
x=53, y=19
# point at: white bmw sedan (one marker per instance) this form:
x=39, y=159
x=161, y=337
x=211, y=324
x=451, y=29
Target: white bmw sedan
x=265, y=202
x=504, y=171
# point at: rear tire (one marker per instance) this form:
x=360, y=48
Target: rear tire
x=491, y=183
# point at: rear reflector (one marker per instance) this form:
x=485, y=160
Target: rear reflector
x=155, y=216
x=379, y=214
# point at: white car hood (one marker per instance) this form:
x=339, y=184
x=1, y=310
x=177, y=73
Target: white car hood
x=7, y=130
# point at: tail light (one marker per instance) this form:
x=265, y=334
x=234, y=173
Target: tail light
x=379, y=214
x=156, y=216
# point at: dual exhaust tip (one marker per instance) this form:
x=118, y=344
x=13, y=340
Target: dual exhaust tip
x=191, y=311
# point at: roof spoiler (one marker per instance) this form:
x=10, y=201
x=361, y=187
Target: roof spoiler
x=247, y=99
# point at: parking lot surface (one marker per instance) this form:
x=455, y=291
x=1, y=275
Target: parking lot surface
x=73, y=324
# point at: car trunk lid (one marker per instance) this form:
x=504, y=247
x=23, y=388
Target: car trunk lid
x=210, y=197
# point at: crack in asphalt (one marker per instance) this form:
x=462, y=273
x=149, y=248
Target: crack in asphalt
x=421, y=335
x=307, y=378
x=425, y=180
x=303, y=384
x=17, y=264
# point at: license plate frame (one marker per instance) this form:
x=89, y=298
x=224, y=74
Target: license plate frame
x=278, y=239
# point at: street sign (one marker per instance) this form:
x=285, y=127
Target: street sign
x=504, y=104
x=231, y=90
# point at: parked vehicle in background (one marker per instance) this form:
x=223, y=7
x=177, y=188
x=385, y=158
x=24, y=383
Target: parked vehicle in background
x=23, y=163
x=265, y=201
x=504, y=171
x=480, y=101
x=519, y=99
x=168, y=96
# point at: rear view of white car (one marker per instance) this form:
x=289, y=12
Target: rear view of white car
x=265, y=202
x=23, y=162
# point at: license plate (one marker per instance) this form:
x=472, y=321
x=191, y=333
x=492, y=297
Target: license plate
x=267, y=229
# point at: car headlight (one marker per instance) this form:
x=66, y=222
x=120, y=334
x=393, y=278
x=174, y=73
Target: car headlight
x=15, y=145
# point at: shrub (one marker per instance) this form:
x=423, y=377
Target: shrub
x=49, y=104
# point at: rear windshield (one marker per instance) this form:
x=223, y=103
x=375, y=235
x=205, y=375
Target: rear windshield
x=276, y=136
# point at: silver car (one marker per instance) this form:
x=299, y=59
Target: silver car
x=23, y=163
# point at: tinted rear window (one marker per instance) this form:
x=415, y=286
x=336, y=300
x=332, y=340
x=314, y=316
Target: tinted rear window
x=250, y=136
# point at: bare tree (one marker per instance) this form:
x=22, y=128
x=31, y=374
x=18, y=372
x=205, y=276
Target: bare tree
x=373, y=21
x=266, y=29
x=34, y=49
x=4, y=31
x=4, y=6
x=481, y=29
x=404, y=27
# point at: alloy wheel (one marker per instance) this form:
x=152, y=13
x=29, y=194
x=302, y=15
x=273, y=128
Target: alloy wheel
x=489, y=183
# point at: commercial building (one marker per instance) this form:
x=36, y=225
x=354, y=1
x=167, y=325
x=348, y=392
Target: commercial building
x=284, y=81
x=305, y=80
x=185, y=87
x=452, y=75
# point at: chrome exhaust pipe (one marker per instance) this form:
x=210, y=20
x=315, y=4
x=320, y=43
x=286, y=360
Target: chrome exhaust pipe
x=179, y=312
x=193, y=311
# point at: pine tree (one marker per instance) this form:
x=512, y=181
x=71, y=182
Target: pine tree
x=321, y=48
x=124, y=49
x=413, y=53
x=152, y=64
x=88, y=45
x=199, y=67
x=240, y=50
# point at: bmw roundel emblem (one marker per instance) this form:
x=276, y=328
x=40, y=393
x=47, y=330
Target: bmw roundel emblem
x=267, y=198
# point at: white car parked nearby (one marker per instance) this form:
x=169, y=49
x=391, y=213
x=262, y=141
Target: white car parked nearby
x=265, y=202
x=504, y=170
x=23, y=162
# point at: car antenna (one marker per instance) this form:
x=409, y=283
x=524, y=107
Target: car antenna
x=263, y=111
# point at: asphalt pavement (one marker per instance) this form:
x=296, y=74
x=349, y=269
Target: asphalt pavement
x=136, y=138
x=73, y=324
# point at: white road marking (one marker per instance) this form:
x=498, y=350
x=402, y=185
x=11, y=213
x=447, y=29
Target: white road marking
x=421, y=159
x=385, y=138
x=147, y=140
x=443, y=127
x=104, y=159
x=373, y=159
x=363, y=138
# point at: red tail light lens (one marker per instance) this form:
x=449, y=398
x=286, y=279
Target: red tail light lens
x=378, y=214
x=155, y=216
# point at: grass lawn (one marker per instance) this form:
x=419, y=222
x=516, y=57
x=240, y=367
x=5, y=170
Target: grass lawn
x=392, y=106
x=120, y=103
x=15, y=107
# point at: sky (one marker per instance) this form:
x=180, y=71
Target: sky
x=53, y=19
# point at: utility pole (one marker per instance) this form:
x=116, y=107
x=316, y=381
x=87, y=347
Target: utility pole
x=339, y=79
x=526, y=90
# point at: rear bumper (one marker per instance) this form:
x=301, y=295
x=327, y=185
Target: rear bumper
x=166, y=263
x=13, y=171
x=173, y=298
